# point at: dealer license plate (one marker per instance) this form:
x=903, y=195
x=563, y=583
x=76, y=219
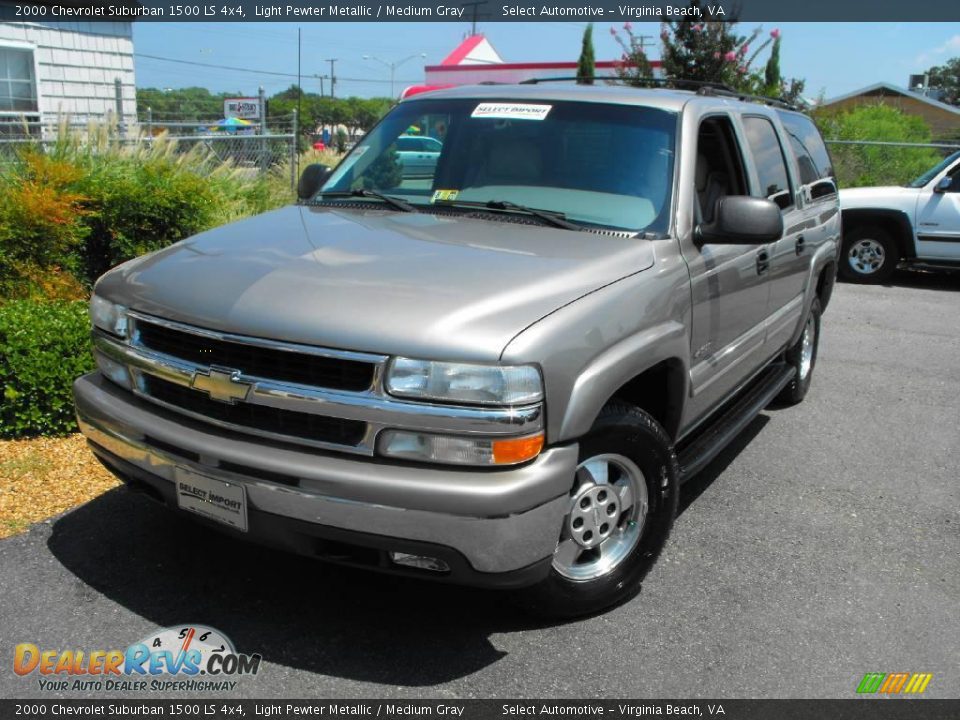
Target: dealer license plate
x=215, y=499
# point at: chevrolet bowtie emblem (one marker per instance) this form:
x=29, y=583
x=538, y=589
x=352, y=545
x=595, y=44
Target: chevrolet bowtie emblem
x=221, y=384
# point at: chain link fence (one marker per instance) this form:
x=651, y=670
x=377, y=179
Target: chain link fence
x=860, y=163
x=253, y=147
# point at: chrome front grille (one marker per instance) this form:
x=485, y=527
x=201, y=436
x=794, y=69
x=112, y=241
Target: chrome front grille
x=320, y=397
x=301, y=425
x=276, y=362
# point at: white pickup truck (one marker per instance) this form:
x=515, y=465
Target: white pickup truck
x=917, y=225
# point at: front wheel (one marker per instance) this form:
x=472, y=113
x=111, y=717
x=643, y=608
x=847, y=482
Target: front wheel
x=620, y=511
x=870, y=255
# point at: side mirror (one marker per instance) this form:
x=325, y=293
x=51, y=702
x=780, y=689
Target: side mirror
x=822, y=188
x=944, y=185
x=742, y=220
x=312, y=179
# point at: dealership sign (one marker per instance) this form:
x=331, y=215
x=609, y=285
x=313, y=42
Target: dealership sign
x=245, y=108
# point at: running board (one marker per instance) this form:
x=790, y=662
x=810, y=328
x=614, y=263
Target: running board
x=731, y=421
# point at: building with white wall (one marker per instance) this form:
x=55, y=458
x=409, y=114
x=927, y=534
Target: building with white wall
x=52, y=70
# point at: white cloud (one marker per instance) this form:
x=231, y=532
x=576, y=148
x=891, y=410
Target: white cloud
x=950, y=47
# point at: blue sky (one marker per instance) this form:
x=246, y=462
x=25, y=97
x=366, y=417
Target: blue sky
x=833, y=57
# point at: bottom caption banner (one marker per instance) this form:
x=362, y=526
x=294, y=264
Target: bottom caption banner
x=872, y=709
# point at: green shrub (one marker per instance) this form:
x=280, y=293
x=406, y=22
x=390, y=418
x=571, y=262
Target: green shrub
x=41, y=213
x=43, y=347
x=135, y=207
x=865, y=165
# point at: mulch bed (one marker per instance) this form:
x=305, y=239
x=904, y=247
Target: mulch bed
x=42, y=477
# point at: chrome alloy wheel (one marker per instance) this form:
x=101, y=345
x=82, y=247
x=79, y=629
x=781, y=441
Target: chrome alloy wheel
x=605, y=519
x=806, y=347
x=866, y=256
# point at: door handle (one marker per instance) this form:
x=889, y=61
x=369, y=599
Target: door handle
x=801, y=244
x=763, y=262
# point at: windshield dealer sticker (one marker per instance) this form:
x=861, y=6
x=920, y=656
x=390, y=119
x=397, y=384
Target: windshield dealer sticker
x=511, y=111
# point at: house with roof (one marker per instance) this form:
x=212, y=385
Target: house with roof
x=943, y=119
x=51, y=70
x=475, y=60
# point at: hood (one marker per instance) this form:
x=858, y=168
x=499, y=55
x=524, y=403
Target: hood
x=865, y=196
x=376, y=281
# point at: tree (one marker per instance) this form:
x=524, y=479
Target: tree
x=190, y=104
x=700, y=51
x=864, y=165
x=586, y=64
x=946, y=78
x=634, y=66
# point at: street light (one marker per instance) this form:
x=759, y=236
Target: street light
x=394, y=65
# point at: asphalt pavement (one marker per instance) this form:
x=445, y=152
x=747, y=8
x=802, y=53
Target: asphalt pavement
x=823, y=544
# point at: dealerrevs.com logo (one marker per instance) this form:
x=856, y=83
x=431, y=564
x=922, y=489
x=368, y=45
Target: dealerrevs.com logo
x=184, y=658
x=894, y=683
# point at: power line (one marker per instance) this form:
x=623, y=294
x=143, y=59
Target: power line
x=252, y=70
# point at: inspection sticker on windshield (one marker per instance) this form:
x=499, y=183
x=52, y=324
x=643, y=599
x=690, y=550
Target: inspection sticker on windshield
x=511, y=111
x=444, y=196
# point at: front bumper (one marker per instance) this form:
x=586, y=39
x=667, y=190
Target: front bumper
x=492, y=527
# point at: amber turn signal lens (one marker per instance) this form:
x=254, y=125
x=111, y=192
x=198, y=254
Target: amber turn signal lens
x=516, y=450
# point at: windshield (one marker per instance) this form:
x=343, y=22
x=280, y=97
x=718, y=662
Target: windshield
x=933, y=172
x=599, y=164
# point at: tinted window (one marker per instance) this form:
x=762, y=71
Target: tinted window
x=805, y=138
x=768, y=156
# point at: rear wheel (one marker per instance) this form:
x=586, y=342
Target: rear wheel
x=870, y=255
x=803, y=357
x=620, y=511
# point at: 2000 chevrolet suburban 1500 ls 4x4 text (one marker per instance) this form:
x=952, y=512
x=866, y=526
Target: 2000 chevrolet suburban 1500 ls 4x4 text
x=496, y=370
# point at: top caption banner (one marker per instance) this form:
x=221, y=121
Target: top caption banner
x=485, y=11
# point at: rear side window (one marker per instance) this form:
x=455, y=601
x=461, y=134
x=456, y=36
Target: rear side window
x=805, y=139
x=769, y=159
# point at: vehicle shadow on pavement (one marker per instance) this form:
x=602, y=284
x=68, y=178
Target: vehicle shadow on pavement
x=696, y=486
x=294, y=611
x=925, y=280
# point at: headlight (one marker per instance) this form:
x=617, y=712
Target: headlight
x=462, y=383
x=108, y=316
x=454, y=450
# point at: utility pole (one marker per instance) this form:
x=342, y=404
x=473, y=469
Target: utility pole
x=473, y=22
x=333, y=76
x=643, y=39
x=393, y=66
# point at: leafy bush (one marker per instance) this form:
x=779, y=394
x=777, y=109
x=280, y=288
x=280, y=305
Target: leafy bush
x=83, y=205
x=863, y=165
x=41, y=217
x=43, y=347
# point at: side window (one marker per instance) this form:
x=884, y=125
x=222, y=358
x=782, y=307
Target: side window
x=719, y=170
x=955, y=177
x=804, y=133
x=769, y=159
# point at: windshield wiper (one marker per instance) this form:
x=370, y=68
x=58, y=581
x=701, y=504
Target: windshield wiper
x=364, y=192
x=557, y=219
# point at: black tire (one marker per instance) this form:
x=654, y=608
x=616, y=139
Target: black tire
x=857, y=247
x=797, y=389
x=624, y=430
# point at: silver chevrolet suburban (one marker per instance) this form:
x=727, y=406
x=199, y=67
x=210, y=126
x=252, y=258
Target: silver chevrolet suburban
x=494, y=368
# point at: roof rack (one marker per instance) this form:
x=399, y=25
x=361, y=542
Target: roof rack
x=730, y=92
x=701, y=87
x=640, y=83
